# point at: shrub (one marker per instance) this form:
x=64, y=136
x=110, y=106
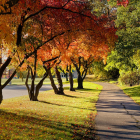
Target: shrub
x=130, y=78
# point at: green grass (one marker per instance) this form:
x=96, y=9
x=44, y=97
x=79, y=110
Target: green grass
x=46, y=81
x=132, y=92
x=53, y=117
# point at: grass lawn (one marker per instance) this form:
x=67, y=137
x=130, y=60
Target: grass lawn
x=133, y=92
x=54, y=117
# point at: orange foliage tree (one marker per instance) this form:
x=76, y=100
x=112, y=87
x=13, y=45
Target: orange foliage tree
x=87, y=48
x=44, y=20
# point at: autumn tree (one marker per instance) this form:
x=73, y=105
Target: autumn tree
x=24, y=11
x=88, y=48
x=50, y=18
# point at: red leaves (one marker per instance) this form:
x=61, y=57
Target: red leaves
x=123, y=2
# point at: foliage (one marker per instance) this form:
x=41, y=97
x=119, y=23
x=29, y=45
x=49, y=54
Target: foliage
x=122, y=60
x=129, y=78
x=125, y=56
x=101, y=73
x=22, y=74
x=54, y=117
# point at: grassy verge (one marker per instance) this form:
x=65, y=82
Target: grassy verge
x=133, y=92
x=54, y=117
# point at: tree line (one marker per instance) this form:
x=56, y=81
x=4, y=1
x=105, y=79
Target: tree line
x=53, y=35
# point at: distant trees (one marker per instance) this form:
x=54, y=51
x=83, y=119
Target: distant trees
x=125, y=55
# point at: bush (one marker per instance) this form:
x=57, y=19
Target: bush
x=130, y=78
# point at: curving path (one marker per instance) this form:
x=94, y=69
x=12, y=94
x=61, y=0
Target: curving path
x=118, y=116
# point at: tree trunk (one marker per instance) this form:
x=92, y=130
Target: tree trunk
x=52, y=83
x=66, y=75
x=60, y=84
x=71, y=79
x=1, y=97
x=80, y=82
x=32, y=90
x=39, y=85
x=26, y=83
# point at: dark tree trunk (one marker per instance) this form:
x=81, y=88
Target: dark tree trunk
x=33, y=75
x=66, y=75
x=80, y=82
x=32, y=89
x=52, y=83
x=71, y=79
x=60, y=84
x=34, y=92
x=1, y=97
x=2, y=68
x=26, y=83
x=39, y=85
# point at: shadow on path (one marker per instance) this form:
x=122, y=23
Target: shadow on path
x=118, y=116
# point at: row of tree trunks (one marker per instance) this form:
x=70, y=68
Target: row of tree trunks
x=34, y=91
x=60, y=89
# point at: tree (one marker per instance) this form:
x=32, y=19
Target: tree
x=88, y=49
x=127, y=23
x=49, y=19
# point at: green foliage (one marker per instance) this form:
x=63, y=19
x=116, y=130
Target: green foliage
x=99, y=7
x=121, y=60
x=129, y=78
x=40, y=71
x=101, y=73
x=136, y=59
x=22, y=74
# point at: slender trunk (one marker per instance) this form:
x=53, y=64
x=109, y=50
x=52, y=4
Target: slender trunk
x=60, y=84
x=66, y=75
x=71, y=79
x=33, y=73
x=32, y=89
x=52, y=83
x=2, y=69
x=80, y=82
x=1, y=97
x=39, y=85
x=26, y=83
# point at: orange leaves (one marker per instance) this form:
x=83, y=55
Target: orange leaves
x=55, y=52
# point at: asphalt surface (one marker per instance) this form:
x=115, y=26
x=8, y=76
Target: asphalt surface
x=12, y=91
x=118, y=116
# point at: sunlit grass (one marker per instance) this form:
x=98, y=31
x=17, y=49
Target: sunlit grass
x=53, y=117
x=133, y=92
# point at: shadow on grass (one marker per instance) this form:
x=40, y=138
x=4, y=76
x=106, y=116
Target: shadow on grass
x=68, y=105
x=89, y=90
x=133, y=91
x=71, y=96
x=14, y=125
x=84, y=89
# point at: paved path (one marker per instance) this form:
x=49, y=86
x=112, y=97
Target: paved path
x=118, y=117
x=16, y=90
